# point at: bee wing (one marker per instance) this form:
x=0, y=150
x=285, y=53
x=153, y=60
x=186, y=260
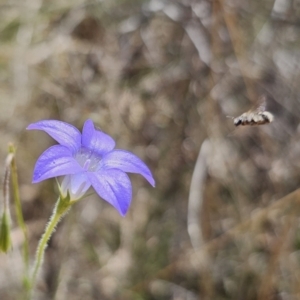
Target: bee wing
x=262, y=103
x=259, y=107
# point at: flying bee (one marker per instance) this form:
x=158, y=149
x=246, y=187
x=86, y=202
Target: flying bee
x=259, y=116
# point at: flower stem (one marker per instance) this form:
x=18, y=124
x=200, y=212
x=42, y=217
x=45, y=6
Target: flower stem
x=61, y=208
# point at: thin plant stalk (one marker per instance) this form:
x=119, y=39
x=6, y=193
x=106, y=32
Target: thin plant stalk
x=19, y=214
x=5, y=236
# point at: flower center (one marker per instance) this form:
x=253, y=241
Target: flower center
x=88, y=159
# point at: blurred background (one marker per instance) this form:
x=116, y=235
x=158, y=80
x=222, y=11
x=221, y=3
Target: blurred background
x=161, y=77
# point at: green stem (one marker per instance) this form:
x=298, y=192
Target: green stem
x=18, y=207
x=61, y=208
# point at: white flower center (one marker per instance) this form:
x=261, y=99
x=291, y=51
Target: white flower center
x=88, y=159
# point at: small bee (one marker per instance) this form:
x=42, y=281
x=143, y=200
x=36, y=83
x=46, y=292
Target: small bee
x=259, y=116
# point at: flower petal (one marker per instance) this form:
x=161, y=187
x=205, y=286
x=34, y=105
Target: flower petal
x=96, y=140
x=114, y=186
x=127, y=162
x=64, y=133
x=55, y=161
x=77, y=185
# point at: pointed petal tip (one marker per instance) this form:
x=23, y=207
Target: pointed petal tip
x=30, y=127
x=35, y=180
x=149, y=178
x=151, y=181
x=89, y=121
x=120, y=210
x=37, y=125
x=127, y=162
x=123, y=214
x=65, y=134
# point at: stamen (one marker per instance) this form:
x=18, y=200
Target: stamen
x=87, y=164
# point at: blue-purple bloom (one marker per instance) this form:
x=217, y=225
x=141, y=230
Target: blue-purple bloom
x=88, y=159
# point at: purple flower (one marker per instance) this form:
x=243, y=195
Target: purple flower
x=88, y=159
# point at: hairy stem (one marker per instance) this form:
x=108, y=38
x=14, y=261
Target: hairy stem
x=61, y=208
